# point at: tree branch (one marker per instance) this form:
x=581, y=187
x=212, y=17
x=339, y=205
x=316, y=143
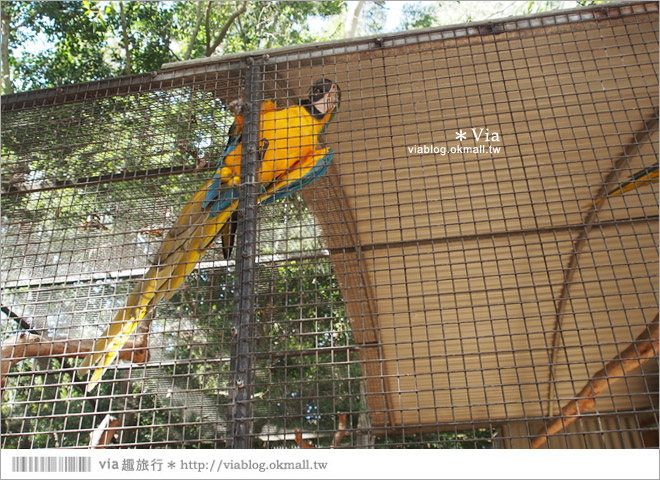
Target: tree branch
x=126, y=39
x=590, y=217
x=635, y=355
x=7, y=85
x=302, y=443
x=353, y=14
x=336, y=439
x=341, y=431
x=223, y=33
x=208, y=25
x=22, y=346
x=198, y=23
x=24, y=324
x=102, y=435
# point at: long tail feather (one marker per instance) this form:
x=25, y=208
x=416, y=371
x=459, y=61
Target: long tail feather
x=639, y=179
x=159, y=284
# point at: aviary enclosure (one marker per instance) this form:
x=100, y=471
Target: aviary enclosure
x=463, y=275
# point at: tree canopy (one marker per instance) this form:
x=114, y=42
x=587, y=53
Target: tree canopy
x=83, y=41
x=46, y=44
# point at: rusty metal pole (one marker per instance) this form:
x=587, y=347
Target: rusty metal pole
x=240, y=427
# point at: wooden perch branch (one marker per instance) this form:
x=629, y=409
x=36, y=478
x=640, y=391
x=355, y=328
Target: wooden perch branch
x=102, y=435
x=336, y=440
x=302, y=443
x=590, y=216
x=341, y=431
x=19, y=347
x=24, y=324
x=635, y=355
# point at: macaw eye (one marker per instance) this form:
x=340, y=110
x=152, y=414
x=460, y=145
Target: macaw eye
x=324, y=95
x=319, y=89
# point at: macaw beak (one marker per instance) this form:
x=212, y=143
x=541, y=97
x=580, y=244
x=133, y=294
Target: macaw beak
x=324, y=96
x=329, y=101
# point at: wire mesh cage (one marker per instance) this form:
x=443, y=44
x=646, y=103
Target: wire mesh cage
x=477, y=267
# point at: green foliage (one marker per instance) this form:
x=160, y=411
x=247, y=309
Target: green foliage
x=373, y=17
x=151, y=29
x=95, y=40
x=78, y=44
x=417, y=15
x=82, y=41
x=263, y=25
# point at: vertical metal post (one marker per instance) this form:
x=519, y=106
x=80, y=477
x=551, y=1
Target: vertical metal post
x=240, y=426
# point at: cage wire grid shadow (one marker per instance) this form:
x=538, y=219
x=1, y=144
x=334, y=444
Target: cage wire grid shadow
x=493, y=295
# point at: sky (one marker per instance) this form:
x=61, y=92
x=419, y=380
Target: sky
x=393, y=15
x=457, y=12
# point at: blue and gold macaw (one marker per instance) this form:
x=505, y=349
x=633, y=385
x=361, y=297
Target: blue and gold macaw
x=290, y=159
x=643, y=177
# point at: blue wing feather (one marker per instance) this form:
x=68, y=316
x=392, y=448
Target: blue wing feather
x=213, y=193
x=316, y=172
x=223, y=200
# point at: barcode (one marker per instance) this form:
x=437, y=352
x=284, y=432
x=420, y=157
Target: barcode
x=51, y=464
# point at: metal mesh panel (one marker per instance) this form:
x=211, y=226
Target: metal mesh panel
x=427, y=291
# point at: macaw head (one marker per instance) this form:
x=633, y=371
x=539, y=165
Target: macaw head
x=324, y=98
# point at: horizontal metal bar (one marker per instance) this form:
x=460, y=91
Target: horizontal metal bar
x=111, y=178
x=308, y=352
x=493, y=234
x=132, y=273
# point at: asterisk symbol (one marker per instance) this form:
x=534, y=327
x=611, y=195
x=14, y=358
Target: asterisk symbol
x=461, y=135
x=171, y=465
